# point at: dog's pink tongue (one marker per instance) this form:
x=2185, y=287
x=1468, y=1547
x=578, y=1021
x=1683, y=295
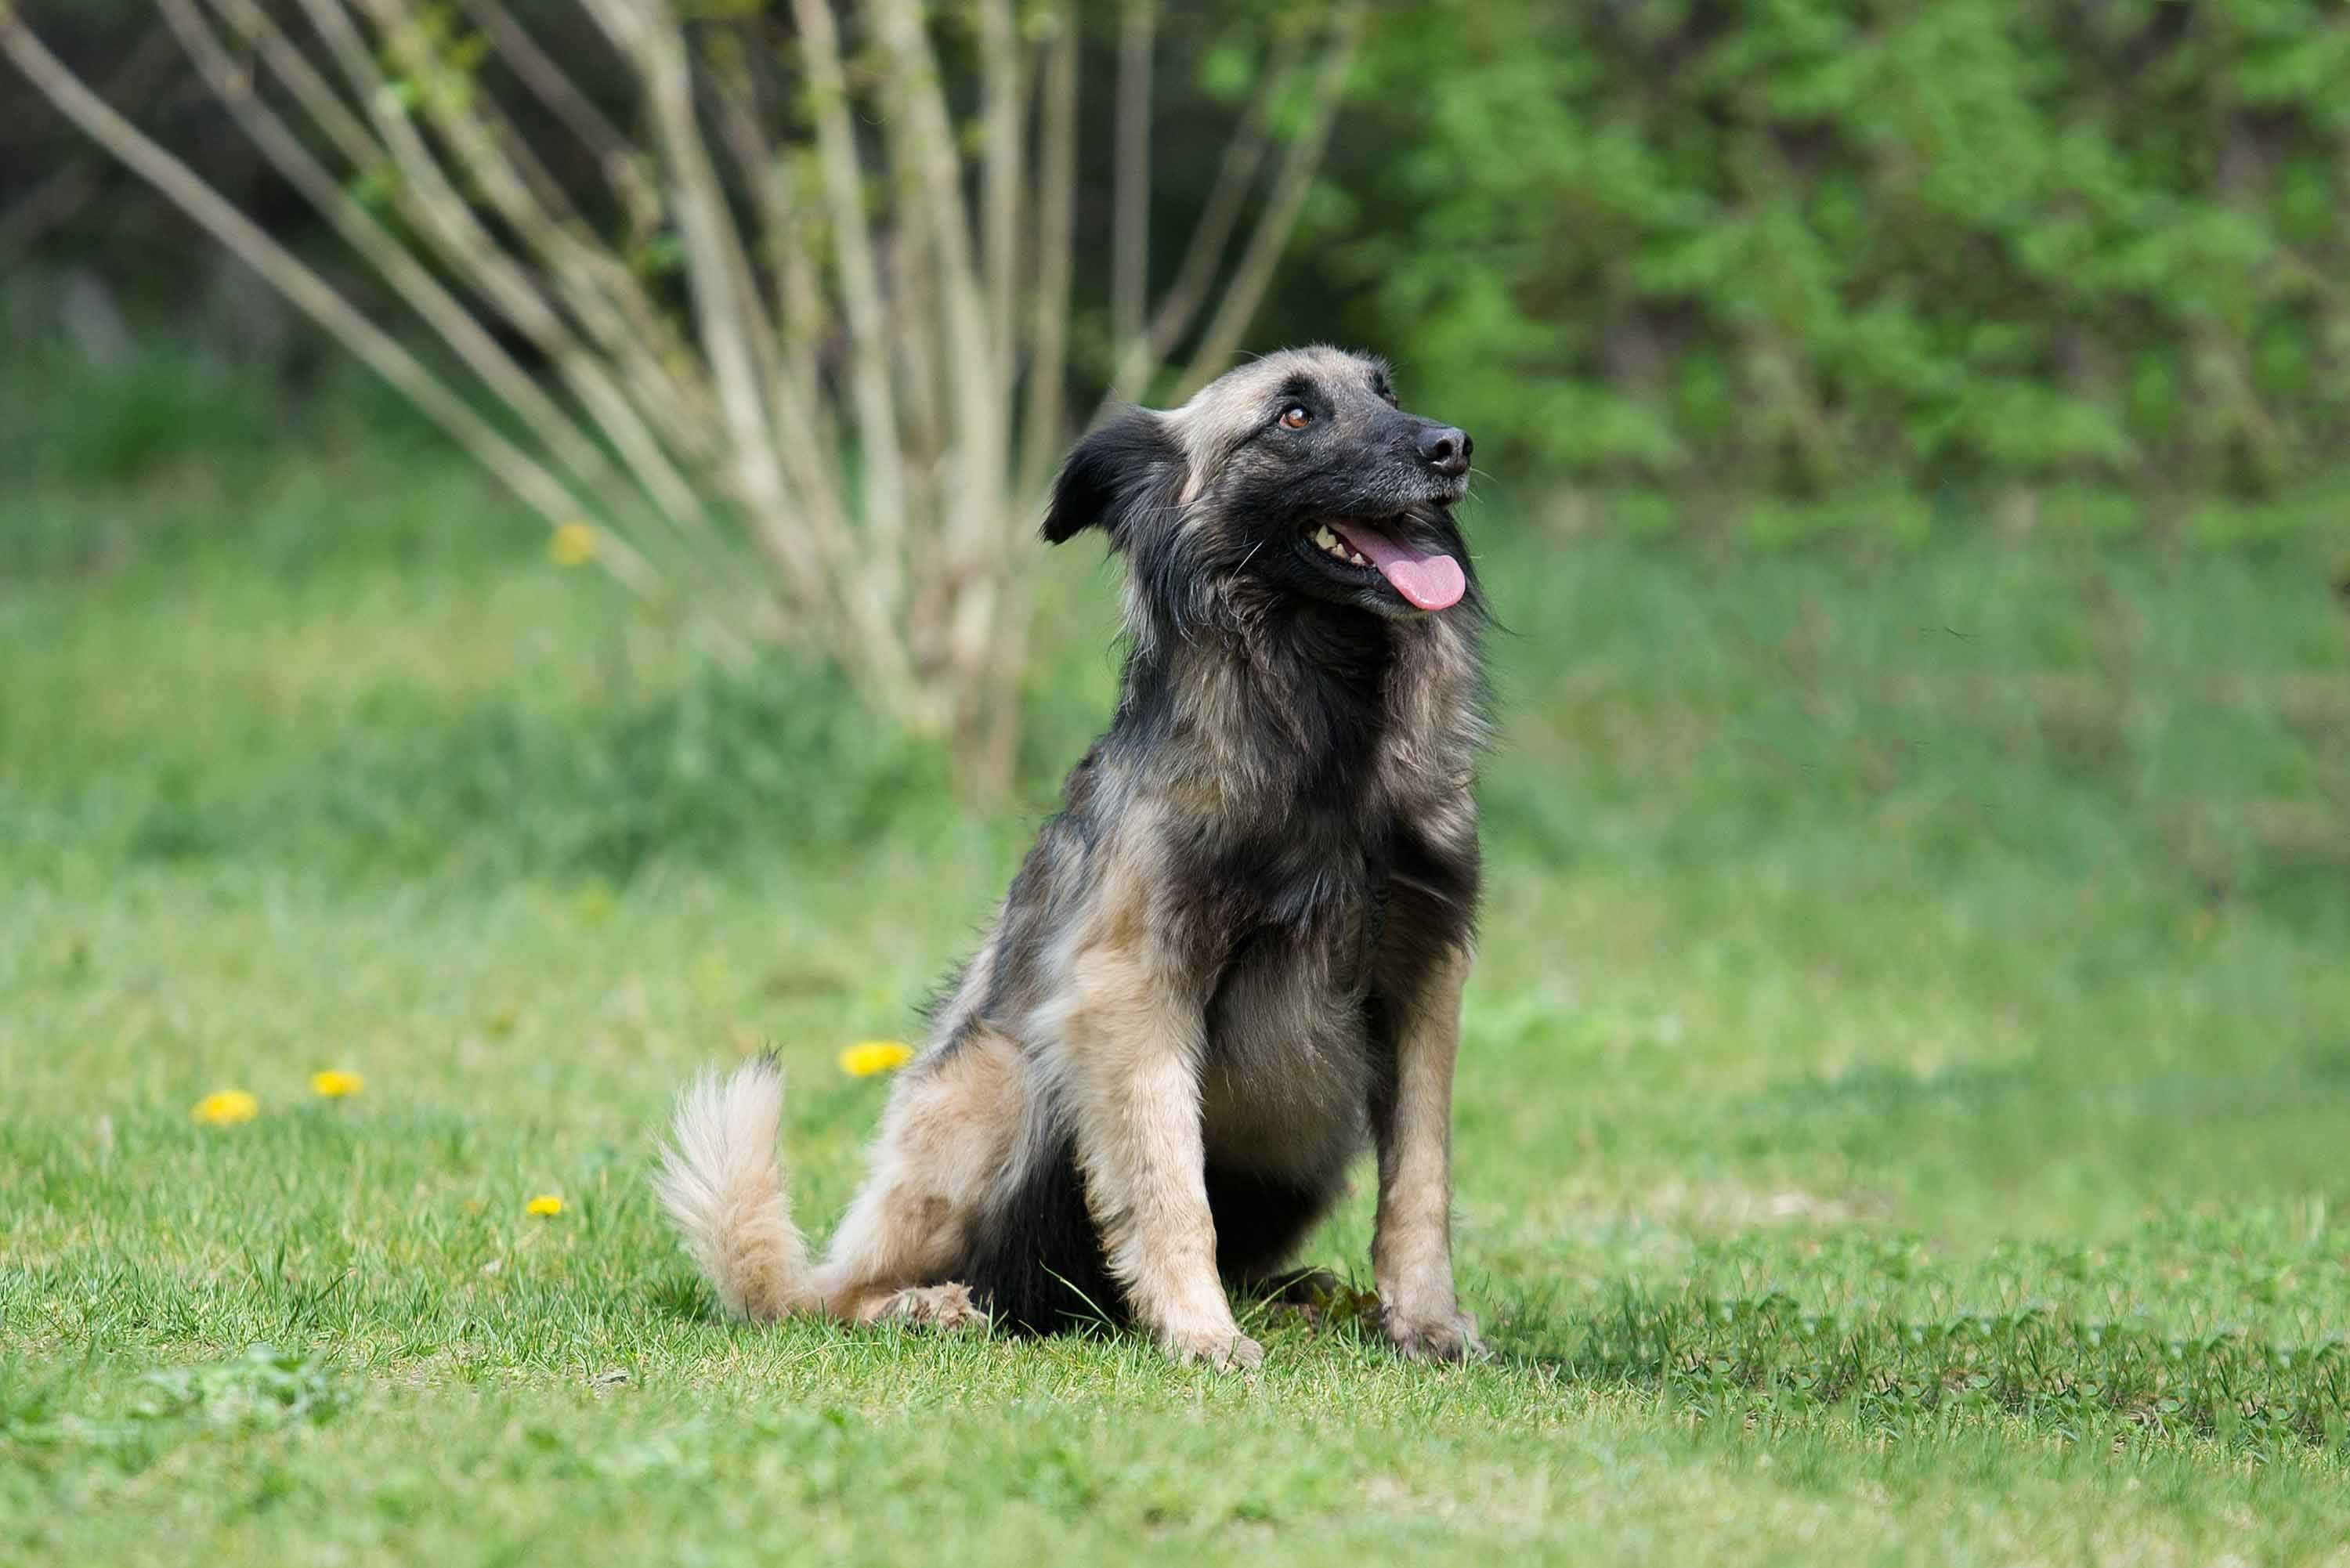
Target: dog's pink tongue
x=1431, y=582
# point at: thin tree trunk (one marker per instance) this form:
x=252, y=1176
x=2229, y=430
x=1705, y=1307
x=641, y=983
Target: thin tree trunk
x=1056, y=182
x=1130, y=182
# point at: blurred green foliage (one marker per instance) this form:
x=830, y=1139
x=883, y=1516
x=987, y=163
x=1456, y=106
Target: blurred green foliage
x=1797, y=249
x=1780, y=267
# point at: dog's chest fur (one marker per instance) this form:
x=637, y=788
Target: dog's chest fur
x=1299, y=790
x=1288, y=1067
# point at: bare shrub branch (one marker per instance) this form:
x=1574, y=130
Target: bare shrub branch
x=807, y=367
x=526, y=477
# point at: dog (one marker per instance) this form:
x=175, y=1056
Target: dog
x=1235, y=955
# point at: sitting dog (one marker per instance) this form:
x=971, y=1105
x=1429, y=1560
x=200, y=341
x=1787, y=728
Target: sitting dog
x=1234, y=956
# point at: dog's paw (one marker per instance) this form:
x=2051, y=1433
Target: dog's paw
x=1224, y=1348
x=1447, y=1335
x=941, y=1307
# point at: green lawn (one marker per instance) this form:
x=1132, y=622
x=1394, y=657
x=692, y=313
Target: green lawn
x=1904, y=1112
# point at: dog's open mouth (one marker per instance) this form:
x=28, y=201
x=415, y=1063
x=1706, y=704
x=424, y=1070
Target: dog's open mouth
x=1428, y=579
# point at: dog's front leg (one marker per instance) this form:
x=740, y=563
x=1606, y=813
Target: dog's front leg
x=1133, y=1034
x=1412, y=1245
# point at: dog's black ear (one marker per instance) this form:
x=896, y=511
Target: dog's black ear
x=1132, y=461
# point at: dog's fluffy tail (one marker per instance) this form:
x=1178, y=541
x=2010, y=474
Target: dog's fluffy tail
x=722, y=1180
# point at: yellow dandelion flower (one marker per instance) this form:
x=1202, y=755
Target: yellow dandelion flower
x=572, y=544
x=544, y=1205
x=225, y=1108
x=868, y=1057
x=333, y=1085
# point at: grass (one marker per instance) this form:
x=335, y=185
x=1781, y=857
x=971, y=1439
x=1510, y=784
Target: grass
x=1902, y=1114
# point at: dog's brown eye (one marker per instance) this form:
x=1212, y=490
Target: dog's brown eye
x=1296, y=418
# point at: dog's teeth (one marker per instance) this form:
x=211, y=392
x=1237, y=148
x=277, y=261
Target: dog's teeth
x=1336, y=547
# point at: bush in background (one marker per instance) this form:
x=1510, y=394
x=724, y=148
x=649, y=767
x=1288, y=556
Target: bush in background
x=1802, y=267
x=2087, y=258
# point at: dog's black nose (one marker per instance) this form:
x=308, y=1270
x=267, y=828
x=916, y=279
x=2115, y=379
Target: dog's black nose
x=1445, y=449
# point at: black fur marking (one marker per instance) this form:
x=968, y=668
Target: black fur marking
x=1300, y=390
x=1452, y=880
x=1260, y=1220
x=942, y=995
x=1034, y=1261
x=1125, y=464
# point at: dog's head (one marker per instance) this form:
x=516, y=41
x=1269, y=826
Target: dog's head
x=1297, y=473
